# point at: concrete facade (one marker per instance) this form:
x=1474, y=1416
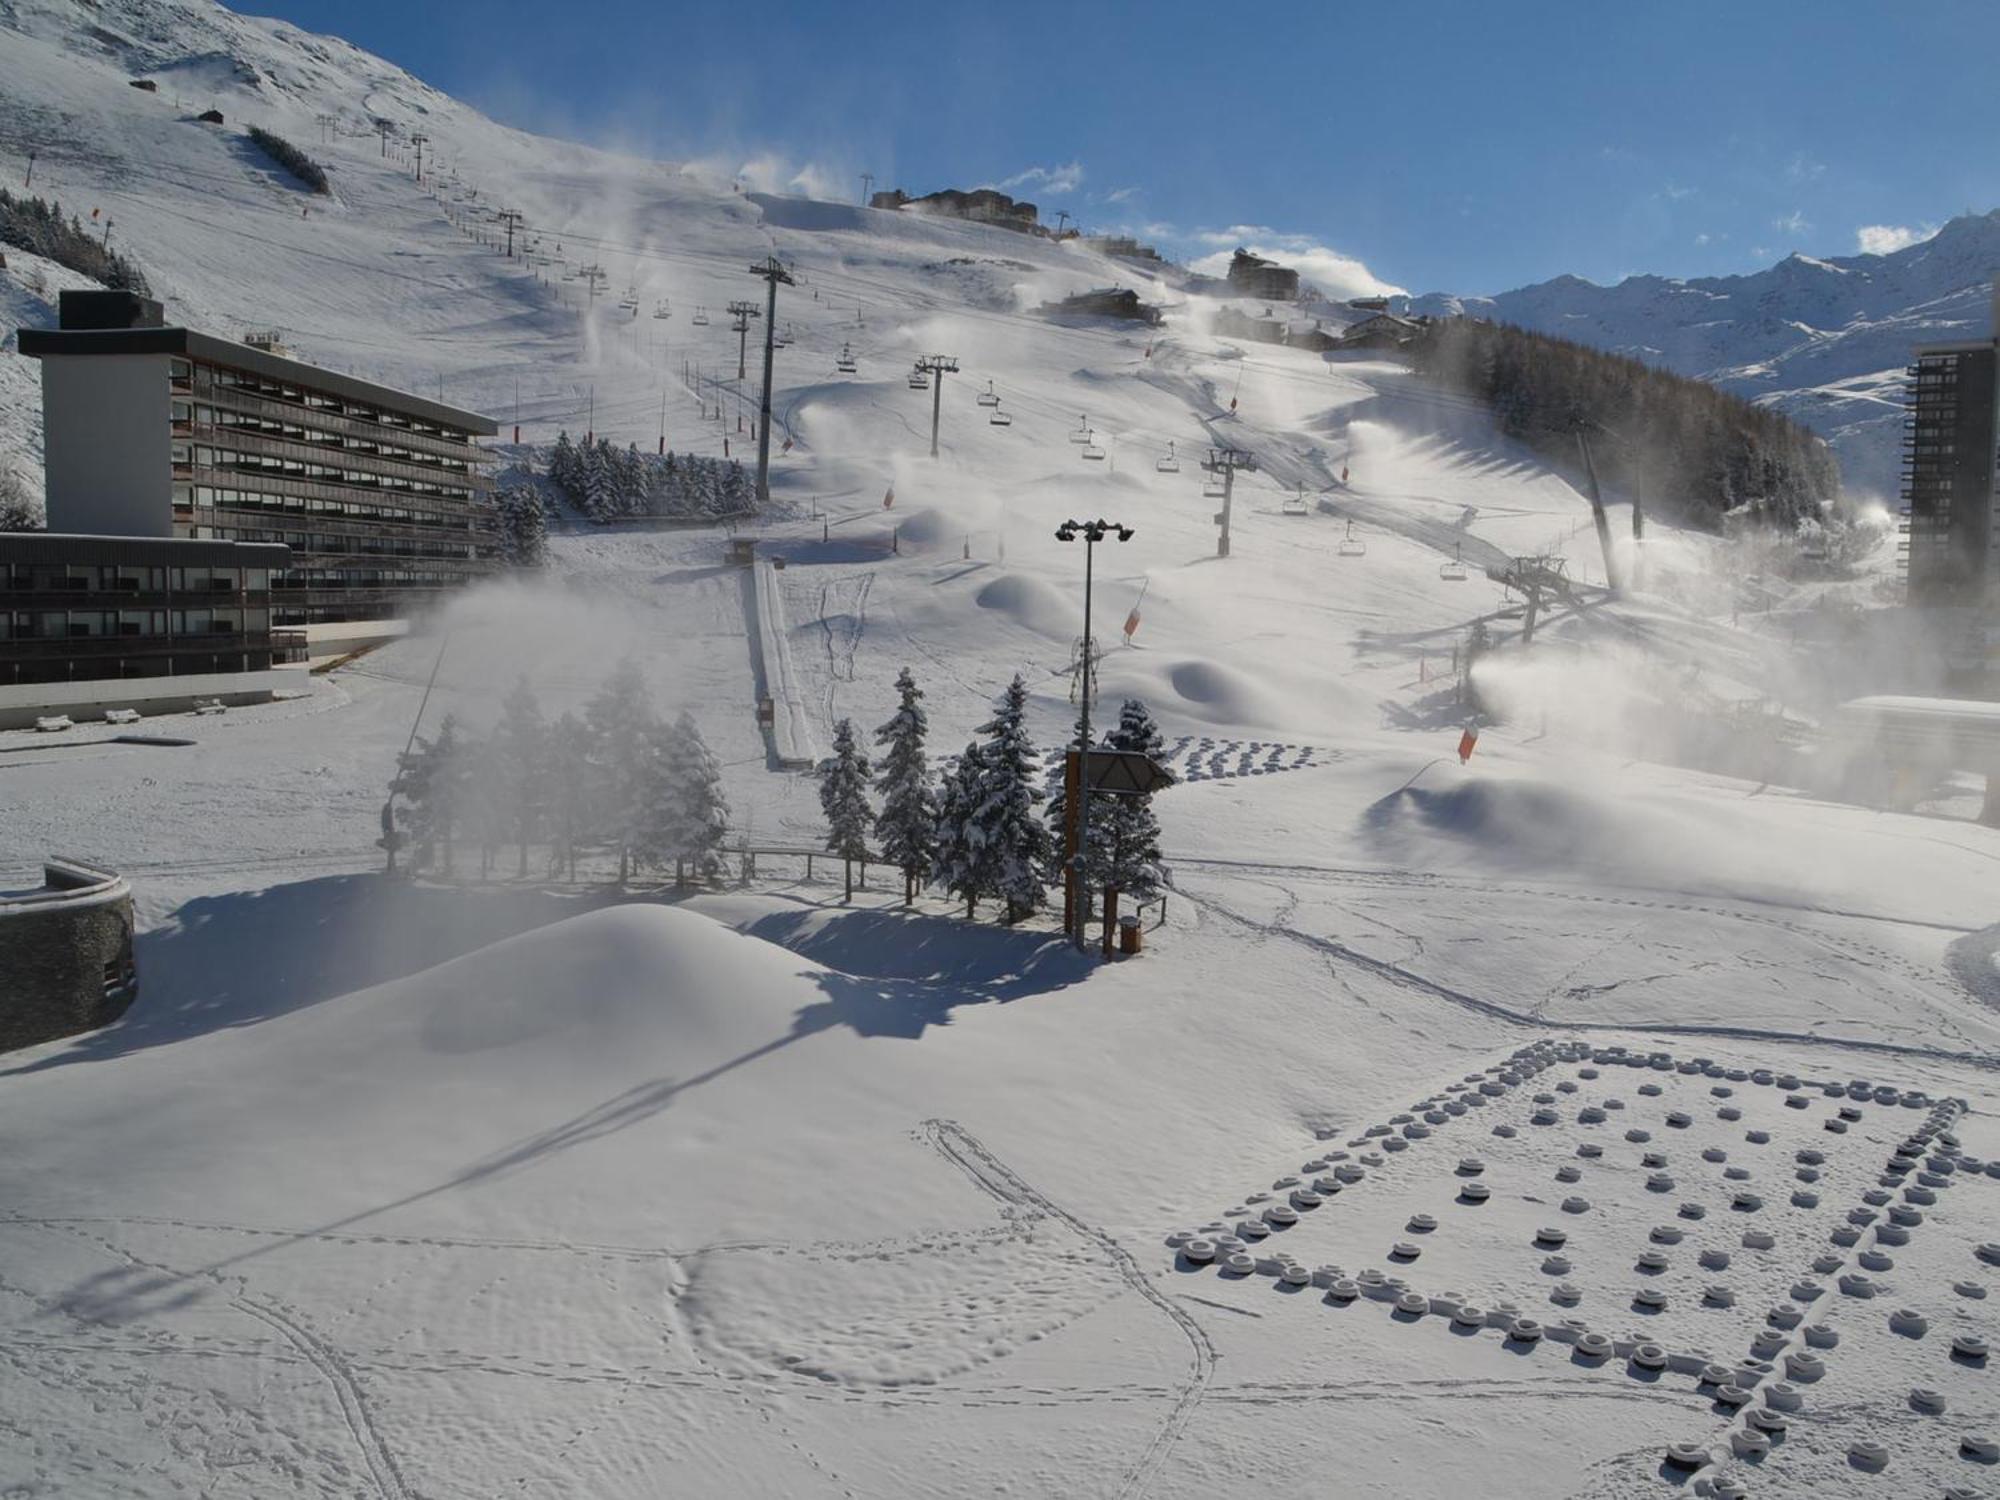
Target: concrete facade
x=66, y=962
x=106, y=424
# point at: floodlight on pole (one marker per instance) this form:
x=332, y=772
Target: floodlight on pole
x=1076, y=785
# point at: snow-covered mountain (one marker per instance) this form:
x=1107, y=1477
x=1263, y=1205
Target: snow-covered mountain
x=1824, y=341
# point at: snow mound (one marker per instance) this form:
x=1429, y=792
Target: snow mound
x=927, y=527
x=1219, y=694
x=1030, y=602
x=679, y=981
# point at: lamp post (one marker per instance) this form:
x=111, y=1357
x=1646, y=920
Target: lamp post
x=1076, y=787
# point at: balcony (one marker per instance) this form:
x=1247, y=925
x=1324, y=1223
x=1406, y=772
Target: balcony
x=329, y=421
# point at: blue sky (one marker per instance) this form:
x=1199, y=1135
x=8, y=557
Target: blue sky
x=1465, y=147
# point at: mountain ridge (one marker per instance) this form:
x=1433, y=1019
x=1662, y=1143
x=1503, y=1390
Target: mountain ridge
x=1822, y=339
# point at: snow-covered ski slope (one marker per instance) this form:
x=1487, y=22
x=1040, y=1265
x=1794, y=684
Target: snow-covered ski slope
x=477, y=1188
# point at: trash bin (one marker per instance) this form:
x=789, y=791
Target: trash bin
x=1129, y=935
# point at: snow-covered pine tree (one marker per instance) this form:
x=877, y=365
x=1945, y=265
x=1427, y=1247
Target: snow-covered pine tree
x=488, y=812
x=430, y=778
x=843, y=797
x=573, y=792
x=906, y=827
x=563, y=468
x=1007, y=819
x=1134, y=856
x=701, y=811
x=633, y=482
x=600, y=488
x=521, y=762
x=962, y=862
x=621, y=719
x=524, y=527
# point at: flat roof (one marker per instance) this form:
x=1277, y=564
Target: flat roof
x=84, y=547
x=40, y=342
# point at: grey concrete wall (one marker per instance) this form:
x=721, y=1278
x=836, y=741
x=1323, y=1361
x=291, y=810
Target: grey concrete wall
x=53, y=966
x=105, y=426
x=23, y=703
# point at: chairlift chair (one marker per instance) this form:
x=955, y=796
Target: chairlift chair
x=1082, y=433
x=661, y=310
x=845, y=364
x=1211, y=489
x=999, y=418
x=700, y=319
x=1295, y=504
x=1168, y=464
x=1352, y=545
x=987, y=397
x=1091, y=452
x=919, y=381
x=1454, y=571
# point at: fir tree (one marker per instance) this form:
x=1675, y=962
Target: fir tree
x=573, y=795
x=1006, y=822
x=430, y=779
x=963, y=862
x=843, y=798
x=699, y=810
x=521, y=763
x=524, y=527
x=563, y=468
x=1134, y=863
x=907, y=825
x=621, y=720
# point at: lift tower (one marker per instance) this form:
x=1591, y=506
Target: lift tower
x=773, y=271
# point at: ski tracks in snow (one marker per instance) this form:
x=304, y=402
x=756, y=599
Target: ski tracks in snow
x=966, y=1152
x=333, y=1366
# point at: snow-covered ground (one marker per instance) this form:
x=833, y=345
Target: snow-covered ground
x=415, y=1189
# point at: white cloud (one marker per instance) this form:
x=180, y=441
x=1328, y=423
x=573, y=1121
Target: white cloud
x=1802, y=168
x=1066, y=178
x=1882, y=239
x=1701, y=239
x=1333, y=273
x=1120, y=195
x=1792, y=223
x=1673, y=192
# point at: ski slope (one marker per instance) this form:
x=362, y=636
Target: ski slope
x=479, y=1188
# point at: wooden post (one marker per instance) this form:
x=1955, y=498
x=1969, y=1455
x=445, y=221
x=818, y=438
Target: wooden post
x=1110, y=916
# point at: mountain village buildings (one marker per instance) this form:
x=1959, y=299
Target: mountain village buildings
x=217, y=509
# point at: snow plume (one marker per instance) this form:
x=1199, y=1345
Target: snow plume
x=768, y=172
x=1064, y=178
x=1336, y=274
x=1886, y=239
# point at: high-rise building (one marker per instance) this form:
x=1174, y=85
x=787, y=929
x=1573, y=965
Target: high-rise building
x=1950, y=496
x=154, y=431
